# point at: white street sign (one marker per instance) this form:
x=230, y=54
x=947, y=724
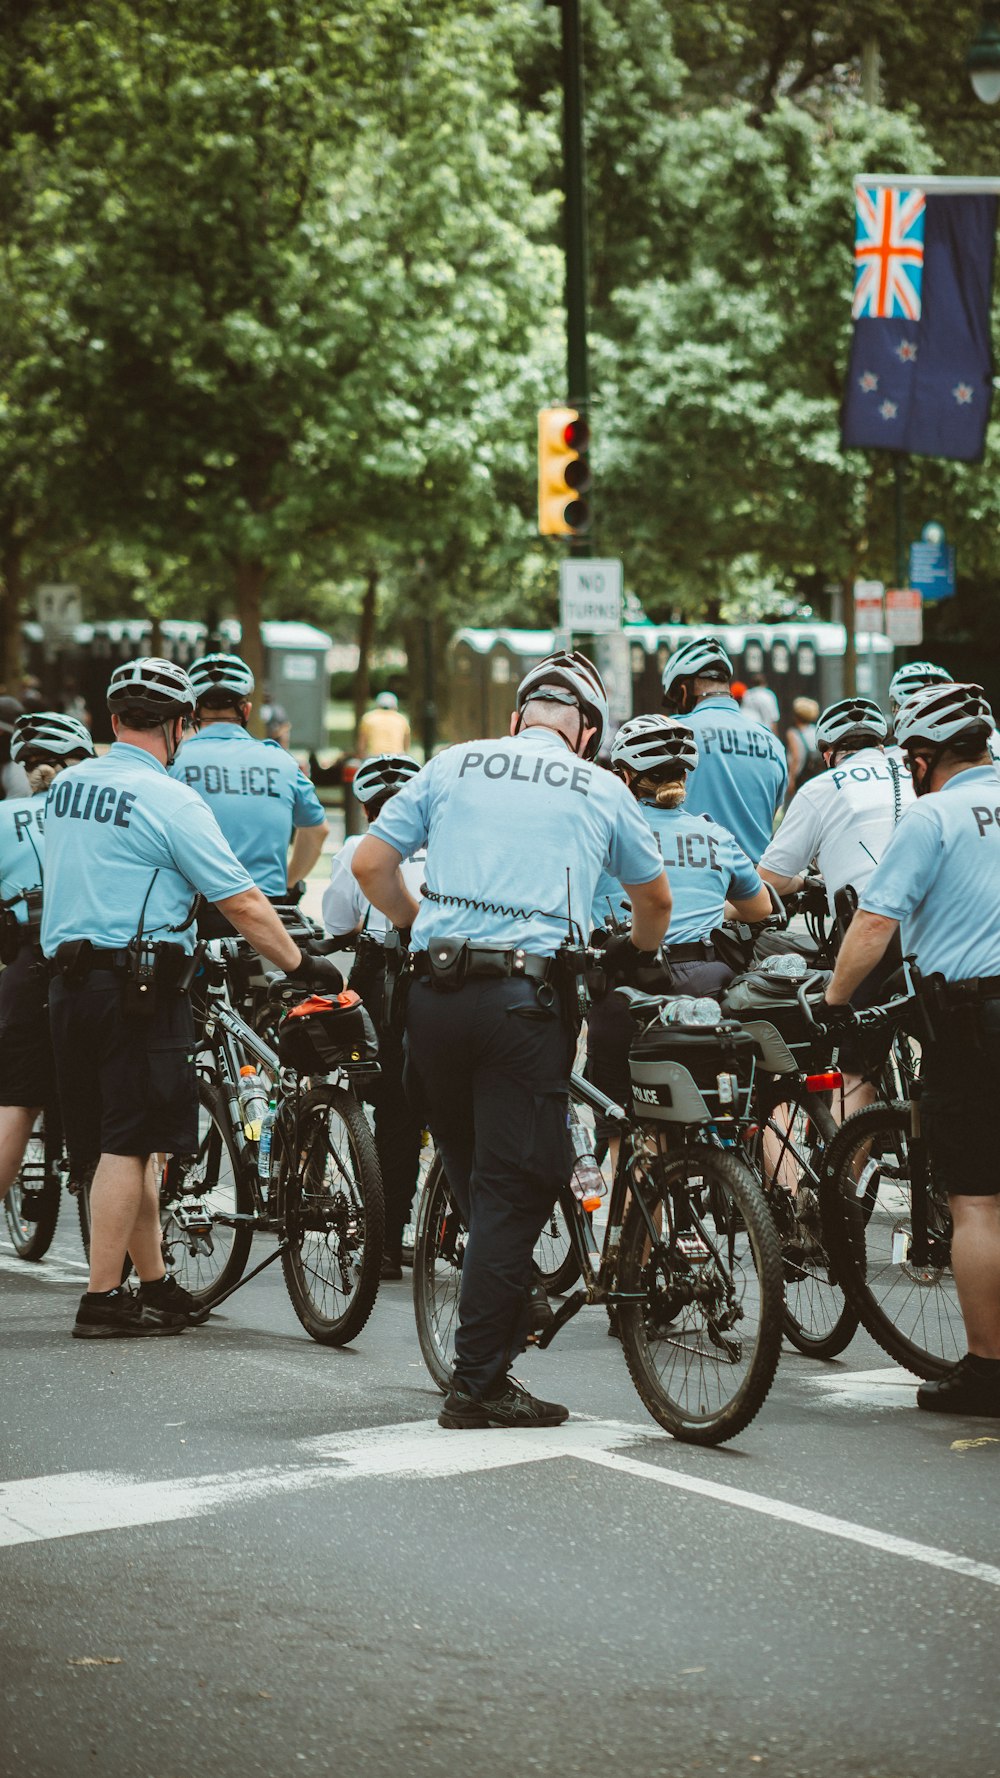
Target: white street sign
x=868, y=606
x=59, y=609
x=590, y=595
x=904, y=616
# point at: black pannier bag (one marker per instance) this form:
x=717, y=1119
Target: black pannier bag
x=324, y=1033
x=766, y=1002
x=692, y=1074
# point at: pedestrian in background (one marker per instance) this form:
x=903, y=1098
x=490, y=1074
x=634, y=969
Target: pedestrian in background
x=804, y=758
x=760, y=702
x=384, y=728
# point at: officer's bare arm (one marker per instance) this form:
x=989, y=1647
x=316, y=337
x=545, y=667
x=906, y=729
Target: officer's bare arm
x=376, y=867
x=252, y=914
x=307, y=844
x=651, y=904
x=866, y=943
x=753, y=907
x=784, y=885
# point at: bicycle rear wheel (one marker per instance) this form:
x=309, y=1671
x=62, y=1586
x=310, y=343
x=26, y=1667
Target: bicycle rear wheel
x=788, y=1149
x=331, y=1191
x=702, y=1331
x=32, y=1203
x=866, y=1200
x=556, y=1259
x=206, y=1255
x=438, y=1251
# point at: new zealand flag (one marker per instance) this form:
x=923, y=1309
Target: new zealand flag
x=921, y=370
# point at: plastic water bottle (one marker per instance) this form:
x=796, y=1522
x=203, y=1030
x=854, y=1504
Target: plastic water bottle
x=264, y=1144
x=253, y=1101
x=586, y=1180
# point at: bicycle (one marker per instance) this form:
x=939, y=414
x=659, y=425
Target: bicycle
x=689, y=1260
x=31, y=1206
x=322, y=1194
x=887, y=1222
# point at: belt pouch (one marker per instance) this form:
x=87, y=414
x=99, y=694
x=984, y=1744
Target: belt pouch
x=73, y=961
x=448, y=961
x=138, y=998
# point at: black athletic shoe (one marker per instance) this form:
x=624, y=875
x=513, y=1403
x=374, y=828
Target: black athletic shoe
x=392, y=1268
x=167, y=1301
x=964, y=1390
x=118, y=1316
x=512, y=1407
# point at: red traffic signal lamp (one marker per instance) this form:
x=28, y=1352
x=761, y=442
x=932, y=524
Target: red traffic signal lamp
x=563, y=472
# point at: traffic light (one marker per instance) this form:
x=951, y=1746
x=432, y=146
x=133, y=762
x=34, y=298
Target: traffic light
x=563, y=472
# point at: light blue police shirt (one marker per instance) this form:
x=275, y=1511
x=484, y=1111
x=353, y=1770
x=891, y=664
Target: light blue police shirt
x=940, y=878
x=22, y=848
x=503, y=821
x=257, y=792
x=741, y=773
x=119, y=833
x=704, y=865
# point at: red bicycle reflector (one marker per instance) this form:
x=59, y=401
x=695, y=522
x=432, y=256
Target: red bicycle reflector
x=824, y=1083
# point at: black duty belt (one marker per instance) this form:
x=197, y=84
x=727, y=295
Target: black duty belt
x=484, y=964
x=980, y=987
x=698, y=951
x=114, y=960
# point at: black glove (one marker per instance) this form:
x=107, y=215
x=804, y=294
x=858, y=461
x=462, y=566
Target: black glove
x=317, y=972
x=832, y=1018
x=621, y=959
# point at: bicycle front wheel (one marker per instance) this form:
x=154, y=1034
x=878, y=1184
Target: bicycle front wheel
x=334, y=1216
x=788, y=1149
x=206, y=1251
x=869, y=1192
x=438, y=1252
x=32, y=1203
x=701, y=1306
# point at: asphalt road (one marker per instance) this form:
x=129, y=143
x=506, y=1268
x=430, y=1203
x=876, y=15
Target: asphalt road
x=237, y=1553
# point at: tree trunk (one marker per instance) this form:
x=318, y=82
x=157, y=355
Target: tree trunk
x=11, y=603
x=251, y=578
x=366, y=638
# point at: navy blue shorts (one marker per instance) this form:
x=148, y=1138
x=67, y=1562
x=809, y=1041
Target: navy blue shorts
x=27, y=1075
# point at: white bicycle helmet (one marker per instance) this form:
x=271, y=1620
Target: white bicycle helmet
x=51, y=733
x=154, y=687
x=382, y=775
x=649, y=744
x=569, y=679
x=221, y=672
x=940, y=714
x=703, y=657
x=911, y=677
x=850, y=719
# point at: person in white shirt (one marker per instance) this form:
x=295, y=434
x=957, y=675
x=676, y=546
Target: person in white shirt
x=347, y=912
x=760, y=702
x=843, y=820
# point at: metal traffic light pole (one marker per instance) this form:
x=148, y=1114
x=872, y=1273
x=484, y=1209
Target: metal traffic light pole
x=577, y=373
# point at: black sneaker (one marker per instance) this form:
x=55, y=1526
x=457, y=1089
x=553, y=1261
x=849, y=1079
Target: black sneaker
x=964, y=1390
x=391, y=1268
x=118, y=1316
x=512, y=1407
x=167, y=1301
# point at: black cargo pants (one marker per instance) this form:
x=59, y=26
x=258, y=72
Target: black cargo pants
x=490, y=1069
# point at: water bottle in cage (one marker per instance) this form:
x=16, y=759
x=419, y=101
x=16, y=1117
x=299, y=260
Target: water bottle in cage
x=586, y=1179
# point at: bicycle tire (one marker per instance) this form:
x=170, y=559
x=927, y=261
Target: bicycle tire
x=334, y=1221
x=819, y=1320
x=31, y=1236
x=703, y=1310
x=207, y=1263
x=555, y=1257
x=912, y=1313
x=438, y=1252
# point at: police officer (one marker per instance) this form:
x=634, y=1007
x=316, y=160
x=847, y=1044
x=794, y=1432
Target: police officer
x=654, y=756
x=844, y=819
x=939, y=880
x=260, y=797
x=42, y=745
x=742, y=771
x=128, y=850
x=348, y=912
x=914, y=676
x=507, y=824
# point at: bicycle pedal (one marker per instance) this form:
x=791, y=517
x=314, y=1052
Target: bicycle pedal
x=566, y=1313
x=693, y=1249
x=32, y=1205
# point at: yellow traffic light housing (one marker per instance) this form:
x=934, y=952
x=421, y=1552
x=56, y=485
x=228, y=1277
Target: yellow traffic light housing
x=563, y=472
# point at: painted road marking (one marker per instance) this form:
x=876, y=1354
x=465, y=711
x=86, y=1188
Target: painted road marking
x=889, y=1387
x=43, y=1271
x=46, y=1507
